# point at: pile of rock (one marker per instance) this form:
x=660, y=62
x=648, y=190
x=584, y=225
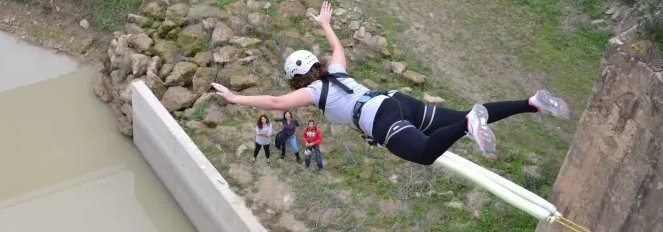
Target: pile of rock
x=180, y=49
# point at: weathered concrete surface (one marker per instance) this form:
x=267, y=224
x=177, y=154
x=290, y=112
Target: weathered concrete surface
x=196, y=185
x=612, y=178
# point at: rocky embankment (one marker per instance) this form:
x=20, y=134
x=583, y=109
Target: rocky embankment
x=179, y=49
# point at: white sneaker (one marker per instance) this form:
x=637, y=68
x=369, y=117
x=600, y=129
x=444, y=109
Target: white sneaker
x=546, y=103
x=477, y=127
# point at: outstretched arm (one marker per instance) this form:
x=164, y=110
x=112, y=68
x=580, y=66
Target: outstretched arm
x=295, y=99
x=338, y=54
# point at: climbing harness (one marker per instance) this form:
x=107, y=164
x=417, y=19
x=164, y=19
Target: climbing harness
x=356, y=111
x=512, y=193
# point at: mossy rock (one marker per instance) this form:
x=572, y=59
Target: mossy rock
x=154, y=10
x=177, y=13
x=192, y=39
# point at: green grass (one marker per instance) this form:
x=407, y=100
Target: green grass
x=110, y=15
x=595, y=9
x=569, y=60
x=230, y=121
x=199, y=111
x=55, y=35
x=223, y=3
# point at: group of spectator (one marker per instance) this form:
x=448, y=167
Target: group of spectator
x=311, y=137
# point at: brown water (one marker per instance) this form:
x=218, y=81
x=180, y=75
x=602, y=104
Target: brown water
x=64, y=166
x=22, y=64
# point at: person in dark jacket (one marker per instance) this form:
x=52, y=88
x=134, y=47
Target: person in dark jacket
x=290, y=126
x=312, y=138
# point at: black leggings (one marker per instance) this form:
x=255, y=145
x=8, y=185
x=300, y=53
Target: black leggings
x=435, y=129
x=257, y=149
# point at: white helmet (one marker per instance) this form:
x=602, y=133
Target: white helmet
x=307, y=151
x=299, y=62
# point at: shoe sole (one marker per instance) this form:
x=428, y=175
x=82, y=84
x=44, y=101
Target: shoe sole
x=545, y=98
x=485, y=134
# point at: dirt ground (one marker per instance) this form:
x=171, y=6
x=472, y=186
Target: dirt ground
x=457, y=54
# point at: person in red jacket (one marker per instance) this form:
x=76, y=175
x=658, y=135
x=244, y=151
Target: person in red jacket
x=312, y=137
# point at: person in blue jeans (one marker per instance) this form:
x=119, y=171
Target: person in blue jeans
x=290, y=126
x=312, y=138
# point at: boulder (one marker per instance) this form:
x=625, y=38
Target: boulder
x=153, y=68
x=244, y=41
x=165, y=70
x=182, y=74
x=140, y=42
x=192, y=39
x=139, y=20
x=165, y=28
x=210, y=96
x=213, y=114
x=396, y=67
x=202, y=11
x=222, y=33
x=177, y=98
x=177, y=13
x=414, y=77
x=139, y=64
x=100, y=89
x=202, y=80
x=156, y=85
x=225, y=54
x=291, y=8
x=133, y=28
x=433, y=99
x=195, y=125
x=241, y=82
x=405, y=90
x=202, y=59
x=153, y=9
x=166, y=50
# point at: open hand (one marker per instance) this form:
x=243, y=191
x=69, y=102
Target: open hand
x=325, y=14
x=224, y=92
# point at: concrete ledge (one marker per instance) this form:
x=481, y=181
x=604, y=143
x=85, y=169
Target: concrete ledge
x=195, y=184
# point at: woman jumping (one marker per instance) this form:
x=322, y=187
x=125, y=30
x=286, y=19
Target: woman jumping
x=406, y=126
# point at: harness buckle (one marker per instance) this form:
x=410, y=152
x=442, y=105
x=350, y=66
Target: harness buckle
x=356, y=113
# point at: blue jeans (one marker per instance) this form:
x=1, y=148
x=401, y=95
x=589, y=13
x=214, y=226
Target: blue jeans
x=318, y=156
x=292, y=140
x=293, y=144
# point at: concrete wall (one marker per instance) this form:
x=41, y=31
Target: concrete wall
x=197, y=186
